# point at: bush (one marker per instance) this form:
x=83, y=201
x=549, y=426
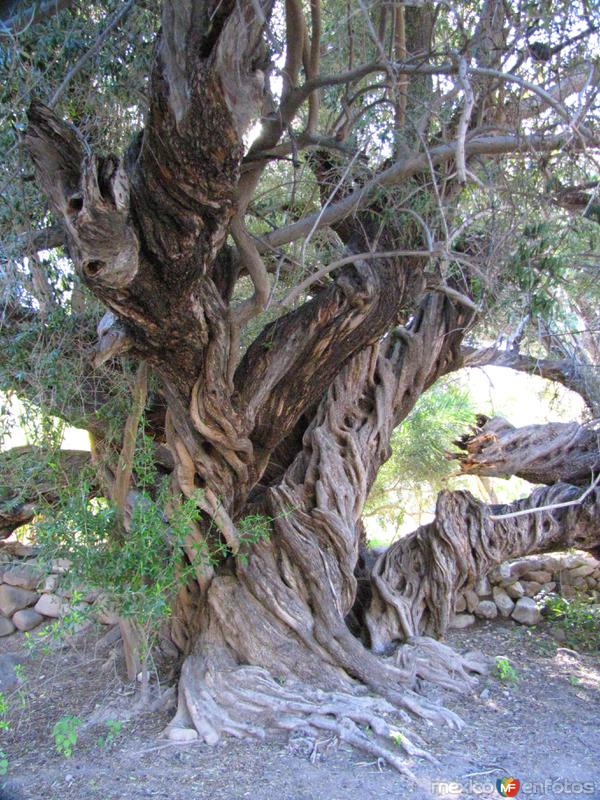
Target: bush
x=505, y=671
x=65, y=735
x=140, y=569
x=578, y=618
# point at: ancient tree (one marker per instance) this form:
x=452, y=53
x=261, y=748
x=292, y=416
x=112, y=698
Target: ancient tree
x=313, y=223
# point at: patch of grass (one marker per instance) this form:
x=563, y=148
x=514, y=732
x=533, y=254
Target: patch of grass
x=65, y=734
x=578, y=618
x=504, y=670
x=544, y=647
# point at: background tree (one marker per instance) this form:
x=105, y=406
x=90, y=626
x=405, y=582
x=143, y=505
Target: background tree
x=294, y=287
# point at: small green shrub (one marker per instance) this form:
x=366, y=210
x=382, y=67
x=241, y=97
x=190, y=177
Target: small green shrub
x=505, y=671
x=114, y=728
x=139, y=571
x=65, y=734
x=4, y=723
x=578, y=618
x=3, y=763
x=252, y=529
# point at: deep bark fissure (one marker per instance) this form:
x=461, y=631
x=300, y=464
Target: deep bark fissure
x=284, y=612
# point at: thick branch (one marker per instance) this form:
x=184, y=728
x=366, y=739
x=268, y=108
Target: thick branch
x=557, y=451
x=406, y=168
x=287, y=368
x=205, y=80
x=566, y=371
x=91, y=198
x=416, y=580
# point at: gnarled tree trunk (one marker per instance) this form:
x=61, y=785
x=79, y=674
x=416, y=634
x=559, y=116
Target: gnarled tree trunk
x=416, y=581
x=285, y=610
x=296, y=427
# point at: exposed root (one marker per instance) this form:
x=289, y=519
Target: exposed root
x=440, y=664
x=246, y=701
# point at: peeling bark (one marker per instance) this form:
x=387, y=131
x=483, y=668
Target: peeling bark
x=284, y=611
x=298, y=429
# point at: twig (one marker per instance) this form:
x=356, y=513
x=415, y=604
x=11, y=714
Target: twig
x=303, y=285
x=485, y=772
x=125, y=466
x=465, y=118
x=319, y=215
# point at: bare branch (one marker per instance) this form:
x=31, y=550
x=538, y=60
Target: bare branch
x=251, y=261
x=125, y=465
x=544, y=453
x=465, y=118
x=112, y=22
x=301, y=287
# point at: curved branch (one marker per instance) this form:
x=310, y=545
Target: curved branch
x=415, y=582
x=251, y=261
x=406, y=168
x=565, y=371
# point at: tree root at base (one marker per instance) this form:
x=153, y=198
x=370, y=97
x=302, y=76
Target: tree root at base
x=247, y=701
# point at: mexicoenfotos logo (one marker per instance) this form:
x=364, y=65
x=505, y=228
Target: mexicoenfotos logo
x=508, y=787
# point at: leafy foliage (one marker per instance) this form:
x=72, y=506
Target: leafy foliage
x=418, y=464
x=140, y=570
x=505, y=671
x=65, y=734
x=578, y=618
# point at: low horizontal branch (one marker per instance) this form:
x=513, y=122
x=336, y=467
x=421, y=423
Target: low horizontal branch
x=556, y=451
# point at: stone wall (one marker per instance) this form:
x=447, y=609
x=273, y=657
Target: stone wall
x=29, y=595
x=516, y=589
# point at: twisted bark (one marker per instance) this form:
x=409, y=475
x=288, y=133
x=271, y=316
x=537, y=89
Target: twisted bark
x=556, y=451
x=415, y=582
x=297, y=429
x=284, y=611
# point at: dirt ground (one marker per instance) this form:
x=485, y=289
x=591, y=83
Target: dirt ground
x=543, y=729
